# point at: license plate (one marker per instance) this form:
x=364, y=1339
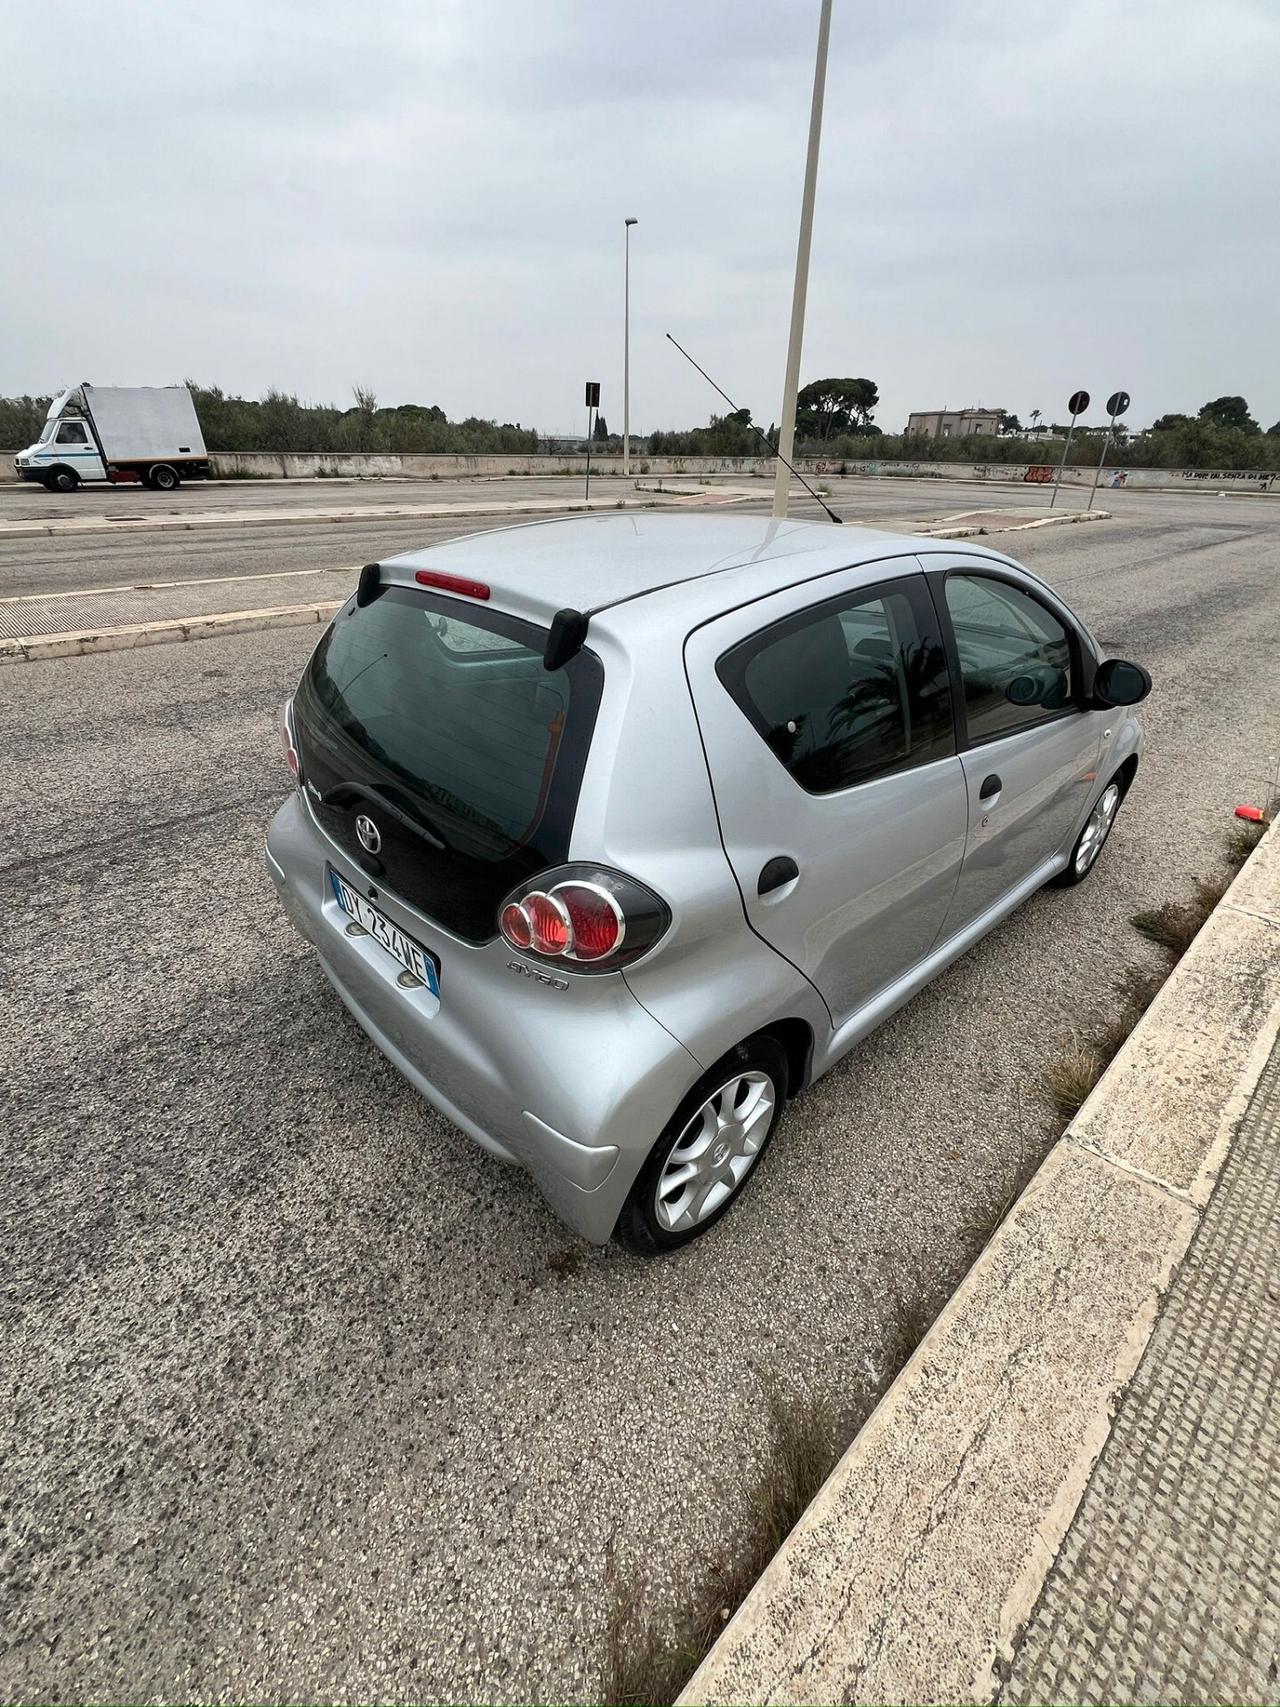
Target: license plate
x=411, y=955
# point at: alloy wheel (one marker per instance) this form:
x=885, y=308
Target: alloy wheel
x=1097, y=829
x=715, y=1152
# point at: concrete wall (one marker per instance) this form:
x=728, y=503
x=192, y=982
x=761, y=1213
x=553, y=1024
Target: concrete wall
x=269, y=465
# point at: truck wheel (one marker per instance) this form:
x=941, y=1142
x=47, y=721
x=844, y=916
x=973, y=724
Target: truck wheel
x=63, y=480
x=163, y=478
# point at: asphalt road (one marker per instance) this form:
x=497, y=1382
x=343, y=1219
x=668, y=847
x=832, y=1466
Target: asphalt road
x=309, y=1398
x=42, y=564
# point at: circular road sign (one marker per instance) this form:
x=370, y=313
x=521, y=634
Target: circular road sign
x=1117, y=403
x=1079, y=402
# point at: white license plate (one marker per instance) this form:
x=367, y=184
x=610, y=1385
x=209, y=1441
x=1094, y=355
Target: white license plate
x=411, y=955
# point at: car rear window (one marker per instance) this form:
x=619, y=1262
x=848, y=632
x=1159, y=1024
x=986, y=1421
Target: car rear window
x=438, y=721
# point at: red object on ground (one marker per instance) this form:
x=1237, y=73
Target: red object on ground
x=1250, y=813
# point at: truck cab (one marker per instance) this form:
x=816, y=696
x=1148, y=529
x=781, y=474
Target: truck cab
x=117, y=435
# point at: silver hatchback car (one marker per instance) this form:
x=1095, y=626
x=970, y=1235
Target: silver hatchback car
x=615, y=832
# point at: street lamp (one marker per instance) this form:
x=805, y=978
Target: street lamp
x=626, y=346
x=787, y=425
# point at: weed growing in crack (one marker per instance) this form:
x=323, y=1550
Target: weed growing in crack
x=648, y=1659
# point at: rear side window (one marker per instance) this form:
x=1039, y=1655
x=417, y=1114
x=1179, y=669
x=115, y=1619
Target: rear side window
x=1014, y=654
x=440, y=723
x=849, y=690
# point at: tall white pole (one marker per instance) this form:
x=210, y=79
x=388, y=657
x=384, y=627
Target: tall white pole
x=787, y=432
x=626, y=348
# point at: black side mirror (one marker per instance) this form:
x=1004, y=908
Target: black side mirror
x=1118, y=682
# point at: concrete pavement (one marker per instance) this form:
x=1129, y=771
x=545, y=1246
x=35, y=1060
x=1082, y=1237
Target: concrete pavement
x=1167, y=1587
x=300, y=1381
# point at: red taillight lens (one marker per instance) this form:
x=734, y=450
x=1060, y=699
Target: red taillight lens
x=286, y=740
x=548, y=923
x=452, y=583
x=585, y=918
x=595, y=918
x=515, y=925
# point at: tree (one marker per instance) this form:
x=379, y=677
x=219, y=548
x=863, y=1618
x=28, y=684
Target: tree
x=1009, y=422
x=1229, y=412
x=1167, y=423
x=1036, y=417
x=1274, y=432
x=601, y=433
x=828, y=408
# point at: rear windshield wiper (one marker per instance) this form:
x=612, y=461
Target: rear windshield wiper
x=411, y=820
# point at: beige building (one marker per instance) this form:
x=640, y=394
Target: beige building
x=953, y=423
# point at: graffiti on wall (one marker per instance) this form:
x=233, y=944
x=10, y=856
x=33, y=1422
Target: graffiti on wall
x=1262, y=475
x=1039, y=474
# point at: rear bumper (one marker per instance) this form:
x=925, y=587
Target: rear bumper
x=573, y=1085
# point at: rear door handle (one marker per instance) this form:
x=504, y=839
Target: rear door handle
x=991, y=786
x=775, y=872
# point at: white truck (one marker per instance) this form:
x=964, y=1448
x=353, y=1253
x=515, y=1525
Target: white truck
x=120, y=435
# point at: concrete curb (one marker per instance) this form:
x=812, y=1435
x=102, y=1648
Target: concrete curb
x=61, y=527
x=1022, y=527
x=914, y=1571
x=127, y=638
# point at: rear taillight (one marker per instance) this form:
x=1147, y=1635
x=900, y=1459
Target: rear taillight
x=583, y=917
x=287, y=741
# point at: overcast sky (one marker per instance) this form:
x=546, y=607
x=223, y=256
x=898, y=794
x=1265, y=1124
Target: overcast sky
x=427, y=198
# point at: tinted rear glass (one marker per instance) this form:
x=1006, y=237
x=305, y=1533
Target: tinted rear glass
x=437, y=720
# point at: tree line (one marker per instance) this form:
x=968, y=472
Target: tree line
x=280, y=422
x=834, y=419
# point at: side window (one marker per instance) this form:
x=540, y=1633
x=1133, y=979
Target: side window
x=849, y=690
x=1015, y=656
x=72, y=433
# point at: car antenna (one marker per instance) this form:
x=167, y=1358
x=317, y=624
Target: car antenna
x=773, y=451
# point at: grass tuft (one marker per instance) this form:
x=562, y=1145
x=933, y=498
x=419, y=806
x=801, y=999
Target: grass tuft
x=1174, y=925
x=1243, y=839
x=1080, y=1063
x=1071, y=1075
x=648, y=1660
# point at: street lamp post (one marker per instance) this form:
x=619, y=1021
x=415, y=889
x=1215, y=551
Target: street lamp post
x=787, y=428
x=626, y=346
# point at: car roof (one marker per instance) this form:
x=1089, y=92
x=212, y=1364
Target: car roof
x=595, y=562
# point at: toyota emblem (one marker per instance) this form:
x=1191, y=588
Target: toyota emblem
x=368, y=833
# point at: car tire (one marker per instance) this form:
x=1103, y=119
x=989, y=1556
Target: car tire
x=163, y=478
x=63, y=480
x=663, y=1211
x=1093, y=837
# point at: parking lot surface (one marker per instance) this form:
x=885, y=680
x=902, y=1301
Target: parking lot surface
x=311, y=1399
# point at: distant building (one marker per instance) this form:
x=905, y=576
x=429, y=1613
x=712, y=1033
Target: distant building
x=953, y=423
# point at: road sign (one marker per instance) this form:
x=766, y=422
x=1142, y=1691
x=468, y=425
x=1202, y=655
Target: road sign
x=1078, y=404
x=1117, y=403
x=593, y=394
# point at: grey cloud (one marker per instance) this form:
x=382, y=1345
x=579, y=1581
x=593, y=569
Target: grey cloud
x=429, y=197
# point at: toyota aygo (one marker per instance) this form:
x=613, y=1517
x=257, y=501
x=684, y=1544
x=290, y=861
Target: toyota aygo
x=614, y=833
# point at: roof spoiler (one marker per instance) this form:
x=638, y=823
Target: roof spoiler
x=367, y=585
x=566, y=639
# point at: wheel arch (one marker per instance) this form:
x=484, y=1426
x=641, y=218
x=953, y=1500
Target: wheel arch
x=1125, y=774
x=796, y=1039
